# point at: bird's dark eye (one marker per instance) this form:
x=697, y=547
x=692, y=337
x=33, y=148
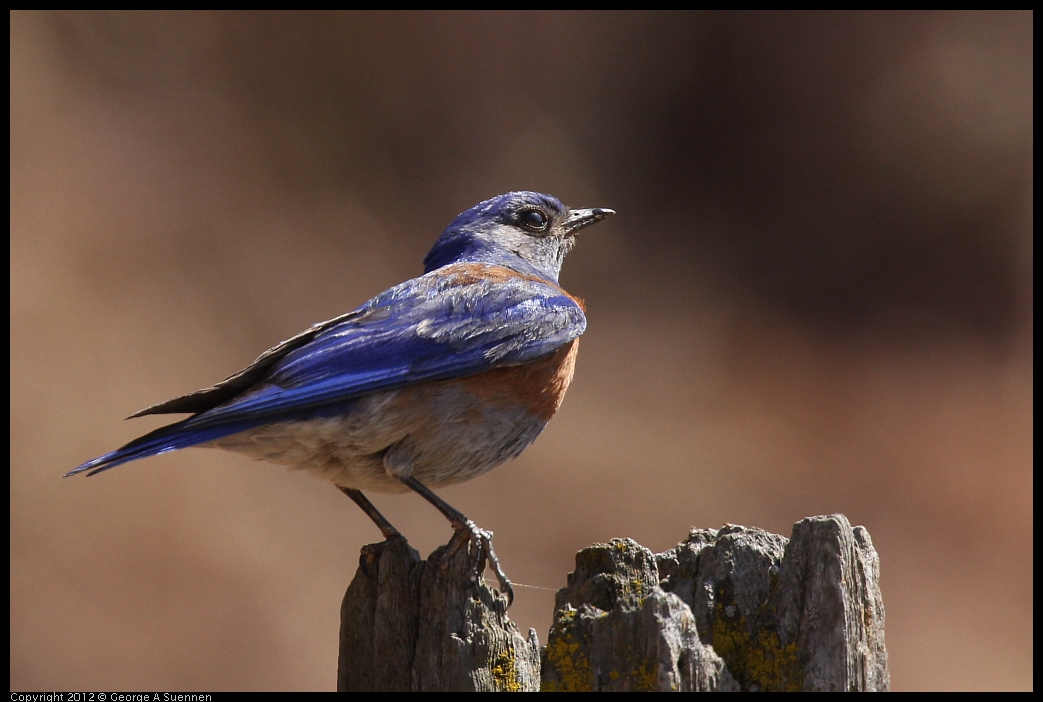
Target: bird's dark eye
x=533, y=219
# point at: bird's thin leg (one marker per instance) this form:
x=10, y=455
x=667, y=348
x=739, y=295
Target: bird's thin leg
x=379, y=519
x=482, y=538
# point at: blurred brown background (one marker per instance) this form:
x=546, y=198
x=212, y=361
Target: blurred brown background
x=816, y=298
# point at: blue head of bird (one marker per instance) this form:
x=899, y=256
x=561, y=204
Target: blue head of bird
x=529, y=232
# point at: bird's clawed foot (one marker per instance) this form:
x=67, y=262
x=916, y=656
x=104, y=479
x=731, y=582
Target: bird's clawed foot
x=466, y=532
x=482, y=539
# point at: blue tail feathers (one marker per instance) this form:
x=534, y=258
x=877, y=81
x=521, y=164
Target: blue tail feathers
x=163, y=440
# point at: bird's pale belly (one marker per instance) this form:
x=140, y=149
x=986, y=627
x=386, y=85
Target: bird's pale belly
x=440, y=432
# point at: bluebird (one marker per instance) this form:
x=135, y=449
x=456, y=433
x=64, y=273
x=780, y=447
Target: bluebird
x=433, y=382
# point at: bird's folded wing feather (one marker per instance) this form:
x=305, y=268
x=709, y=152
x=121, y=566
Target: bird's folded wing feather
x=439, y=326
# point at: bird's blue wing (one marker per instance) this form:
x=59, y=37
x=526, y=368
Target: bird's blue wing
x=452, y=322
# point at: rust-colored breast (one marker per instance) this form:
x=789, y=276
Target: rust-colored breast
x=539, y=386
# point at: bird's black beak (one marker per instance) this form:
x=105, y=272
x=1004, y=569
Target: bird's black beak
x=577, y=219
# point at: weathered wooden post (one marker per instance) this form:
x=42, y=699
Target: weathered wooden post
x=409, y=624
x=729, y=609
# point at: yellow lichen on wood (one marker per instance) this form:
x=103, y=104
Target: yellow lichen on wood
x=504, y=672
x=759, y=660
x=565, y=657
